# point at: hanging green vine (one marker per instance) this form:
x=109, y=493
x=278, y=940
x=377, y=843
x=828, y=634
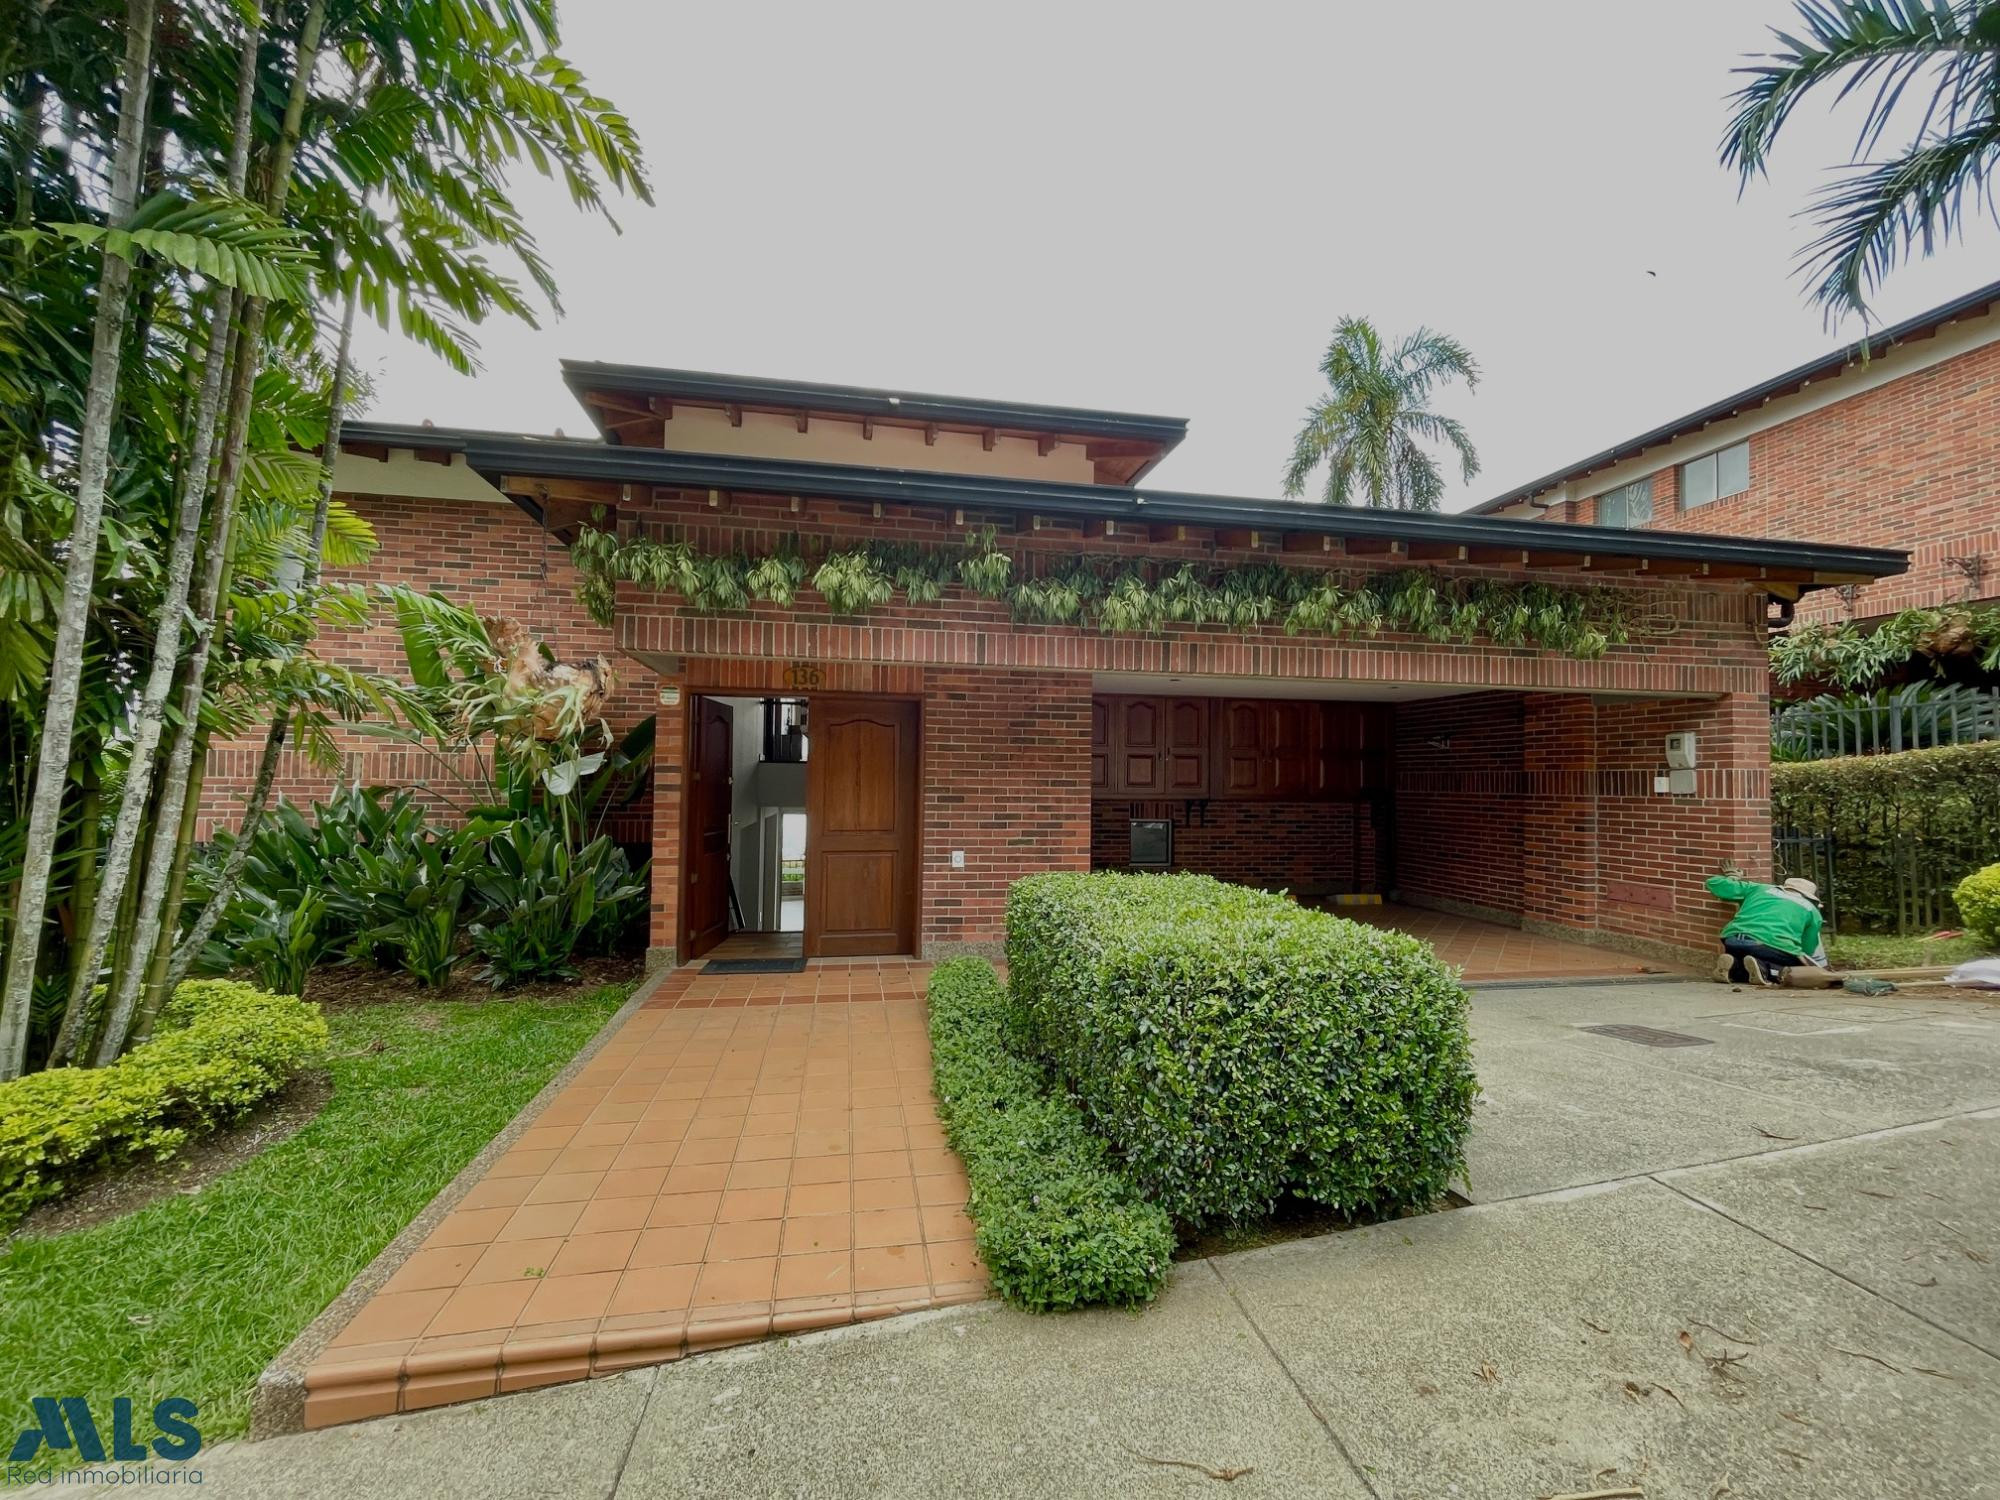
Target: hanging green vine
x=1117, y=595
x=1854, y=656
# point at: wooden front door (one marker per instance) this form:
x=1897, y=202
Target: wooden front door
x=710, y=799
x=861, y=828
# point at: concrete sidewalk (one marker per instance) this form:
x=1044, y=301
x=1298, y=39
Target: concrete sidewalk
x=1660, y=1288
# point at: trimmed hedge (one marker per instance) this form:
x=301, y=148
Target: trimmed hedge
x=220, y=1047
x=1900, y=830
x=1233, y=1047
x=1056, y=1227
x=1978, y=898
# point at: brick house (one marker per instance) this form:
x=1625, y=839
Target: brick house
x=953, y=749
x=1894, y=442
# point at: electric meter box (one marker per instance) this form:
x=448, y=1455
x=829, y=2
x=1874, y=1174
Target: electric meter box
x=1680, y=752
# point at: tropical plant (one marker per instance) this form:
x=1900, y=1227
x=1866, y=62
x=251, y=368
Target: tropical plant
x=1849, y=654
x=541, y=899
x=1120, y=595
x=187, y=191
x=1372, y=427
x=417, y=890
x=1881, y=208
x=62, y=663
x=281, y=943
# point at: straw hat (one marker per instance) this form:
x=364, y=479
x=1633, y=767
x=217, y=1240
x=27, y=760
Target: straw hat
x=1801, y=886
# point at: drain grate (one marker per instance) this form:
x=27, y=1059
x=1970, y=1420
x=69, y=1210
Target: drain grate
x=1649, y=1036
x=754, y=966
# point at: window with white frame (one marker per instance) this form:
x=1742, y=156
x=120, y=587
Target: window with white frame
x=1715, y=476
x=1627, y=507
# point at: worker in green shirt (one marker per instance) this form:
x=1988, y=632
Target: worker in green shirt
x=1776, y=931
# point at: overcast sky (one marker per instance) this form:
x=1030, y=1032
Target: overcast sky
x=1165, y=208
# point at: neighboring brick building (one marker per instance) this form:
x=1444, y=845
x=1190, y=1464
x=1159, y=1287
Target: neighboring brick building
x=1895, y=443
x=954, y=750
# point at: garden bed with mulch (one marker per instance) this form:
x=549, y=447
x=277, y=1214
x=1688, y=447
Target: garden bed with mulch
x=131, y=1186
x=340, y=986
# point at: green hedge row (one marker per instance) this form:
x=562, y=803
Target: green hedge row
x=1056, y=1226
x=220, y=1047
x=1893, y=834
x=1233, y=1047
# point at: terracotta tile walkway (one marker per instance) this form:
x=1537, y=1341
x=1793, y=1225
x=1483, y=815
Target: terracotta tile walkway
x=746, y=1155
x=1488, y=951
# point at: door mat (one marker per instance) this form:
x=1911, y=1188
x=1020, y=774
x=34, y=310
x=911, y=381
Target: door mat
x=754, y=966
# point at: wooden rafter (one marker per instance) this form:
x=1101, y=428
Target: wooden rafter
x=1437, y=552
x=1308, y=542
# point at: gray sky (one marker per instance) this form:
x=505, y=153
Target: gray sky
x=1164, y=208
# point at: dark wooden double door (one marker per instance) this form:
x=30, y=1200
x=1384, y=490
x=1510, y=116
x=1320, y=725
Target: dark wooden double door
x=861, y=827
x=1275, y=750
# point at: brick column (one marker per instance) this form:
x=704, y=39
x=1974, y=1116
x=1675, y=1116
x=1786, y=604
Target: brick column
x=1655, y=848
x=1006, y=758
x=1559, y=872
x=669, y=768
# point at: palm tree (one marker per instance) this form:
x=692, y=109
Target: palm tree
x=65, y=680
x=377, y=159
x=1877, y=210
x=1372, y=426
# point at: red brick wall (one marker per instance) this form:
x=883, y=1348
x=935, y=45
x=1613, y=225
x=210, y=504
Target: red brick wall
x=1542, y=808
x=1006, y=759
x=1006, y=779
x=487, y=557
x=1317, y=848
x=1542, y=767
x=1693, y=637
x=1559, y=824
x=1913, y=464
x=1654, y=851
x=1458, y=804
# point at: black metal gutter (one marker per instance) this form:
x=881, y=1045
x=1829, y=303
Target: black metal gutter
x=494, y=455
x=1923, y=323
x=909, y=406
x=411, y=435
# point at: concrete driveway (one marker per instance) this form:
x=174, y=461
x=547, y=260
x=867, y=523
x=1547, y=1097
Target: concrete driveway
x=1765, y=1265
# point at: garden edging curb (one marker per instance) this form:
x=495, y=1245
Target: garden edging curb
x=278, y=1404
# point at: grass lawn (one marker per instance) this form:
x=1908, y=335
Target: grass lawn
x=1871, y=952
x=192, y=1296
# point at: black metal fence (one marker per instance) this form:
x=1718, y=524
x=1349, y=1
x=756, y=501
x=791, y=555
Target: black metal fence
x=1888, y=837
x=1916, y=716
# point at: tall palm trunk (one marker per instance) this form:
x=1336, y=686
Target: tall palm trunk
x=79, y=574
x=231, y=873
x=150, y=721
x=160, y=982
x=137, y=951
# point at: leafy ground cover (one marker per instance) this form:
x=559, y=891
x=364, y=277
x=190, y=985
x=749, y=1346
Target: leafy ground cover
x=192, y=1295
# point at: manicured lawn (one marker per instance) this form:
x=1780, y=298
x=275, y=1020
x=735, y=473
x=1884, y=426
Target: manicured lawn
x=1867, y=952
x=193, y=1295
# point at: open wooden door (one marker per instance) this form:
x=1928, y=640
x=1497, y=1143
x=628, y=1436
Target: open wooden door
x=710, y=802
x=861, y=828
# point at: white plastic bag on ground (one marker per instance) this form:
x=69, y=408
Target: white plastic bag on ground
x=1979, y=974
